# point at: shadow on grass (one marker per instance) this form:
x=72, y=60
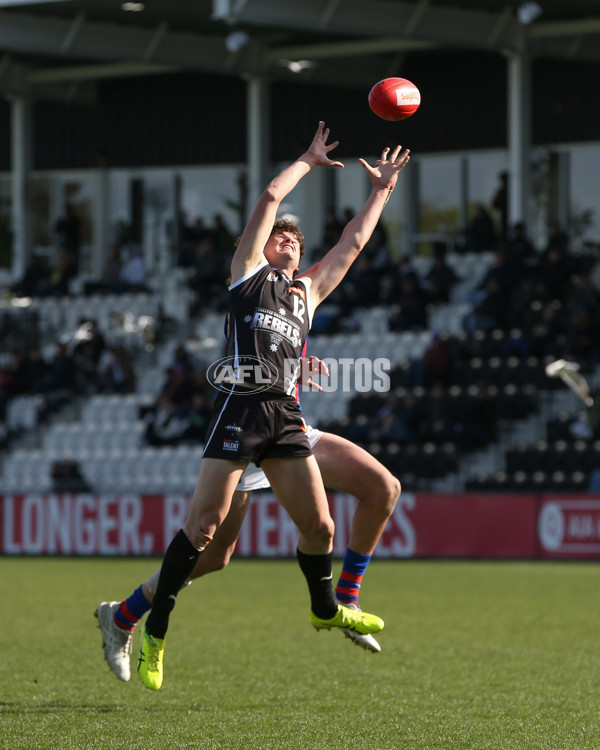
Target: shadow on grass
x=49, y=707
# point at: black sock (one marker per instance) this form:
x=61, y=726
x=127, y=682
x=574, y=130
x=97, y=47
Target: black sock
x=318, y=574
x=180, y=559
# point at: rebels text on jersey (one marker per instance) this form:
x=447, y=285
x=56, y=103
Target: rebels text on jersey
x=269, y=320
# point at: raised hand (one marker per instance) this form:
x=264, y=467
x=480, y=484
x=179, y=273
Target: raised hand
x=388, y=167
x=317, y=153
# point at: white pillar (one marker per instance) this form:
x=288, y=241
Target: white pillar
x=564, y=189
x=519, y=137
x=463, y=208
x=256, y=139
x=170, y=241
x=21, y=158
x=407, y=196
x=313, y=204
x=101, y=237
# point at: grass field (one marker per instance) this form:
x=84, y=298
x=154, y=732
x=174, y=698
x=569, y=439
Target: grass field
x=475, y=655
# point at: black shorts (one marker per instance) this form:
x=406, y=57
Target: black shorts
x=257, y=426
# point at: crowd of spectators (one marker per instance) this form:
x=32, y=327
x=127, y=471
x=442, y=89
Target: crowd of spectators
x=527, y=287
x=182, y=409
x=550, y=294
x=416, y=416
x=83, y=364
x=207, y=252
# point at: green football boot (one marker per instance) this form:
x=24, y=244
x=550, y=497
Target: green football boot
x=150, y=660
x=353, y=620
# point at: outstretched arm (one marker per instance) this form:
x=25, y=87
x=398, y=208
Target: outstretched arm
x=328, y=272
x=249, y=252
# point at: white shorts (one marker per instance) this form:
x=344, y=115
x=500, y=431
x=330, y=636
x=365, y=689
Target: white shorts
x=254, y=477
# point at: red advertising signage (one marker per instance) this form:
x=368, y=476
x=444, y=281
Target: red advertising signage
x=492, y=526
x=569, y=527
x=473, y=525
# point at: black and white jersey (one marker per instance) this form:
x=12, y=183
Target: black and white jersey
x=269, y=320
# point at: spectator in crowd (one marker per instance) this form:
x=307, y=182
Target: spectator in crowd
x=210, y=264
x=67, y=477
x=519, y=250
x=501, y=273
x=546, y=329
x=474, y=421
x=167, y=423
x=551, y=274
x=61, y=375
x=594, y=274
x=86, y=368
x=182, y=359
x=57, y=282
x=557, y=239
x=190, y=238
x=132, y=276
x=593, y=415
x=35, y=371
x=12, y=379
x=480, y=234
x=90, y=336
x=68, y=234
x=500, y=204
x=209, y=280
x=87, y=346
x=489, y=312
x=440, y=279
x=396, y=421
x=36, y=274
x=365, y=283
x=410, y=311
x=109, y=281
x=347, y=215
x=434, y=366
x=115, y=371
x=198, y=231
x=377, y=248
x=332, y=230
x=198, y=418
x=180, y=377
x=200, y=384
x=223, y=240
x=583, y=322
x=437, y=424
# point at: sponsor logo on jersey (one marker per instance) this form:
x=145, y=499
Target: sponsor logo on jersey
x=271, y=321
x=231, y=445
x=233, y=428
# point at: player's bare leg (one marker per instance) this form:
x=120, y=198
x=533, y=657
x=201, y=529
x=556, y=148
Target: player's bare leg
x=218, y=553
x=216, y=484
x=299, y=488
x=118, y=620
x=346, y=467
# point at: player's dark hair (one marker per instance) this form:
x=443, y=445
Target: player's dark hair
x=283, y=225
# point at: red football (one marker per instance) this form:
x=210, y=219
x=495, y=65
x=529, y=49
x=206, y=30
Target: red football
x=394, y=99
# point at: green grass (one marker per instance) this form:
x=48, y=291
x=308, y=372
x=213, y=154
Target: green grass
x=475, y=655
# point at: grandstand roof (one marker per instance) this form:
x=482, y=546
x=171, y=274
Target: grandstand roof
x=348, y=43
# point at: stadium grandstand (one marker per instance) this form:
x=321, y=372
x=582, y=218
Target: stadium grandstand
x=134, y=140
